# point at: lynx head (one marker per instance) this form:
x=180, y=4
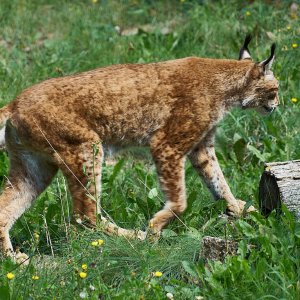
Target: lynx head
x=260, y=88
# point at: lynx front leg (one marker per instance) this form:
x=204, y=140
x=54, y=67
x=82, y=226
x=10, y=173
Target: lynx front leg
x=205, y=162
x=170, y=169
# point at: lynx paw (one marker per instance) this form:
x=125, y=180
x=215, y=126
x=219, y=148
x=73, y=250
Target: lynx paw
x=21, y=258
x=153, y=234
x=238, y=208
x=17, y=256
x=141, y=235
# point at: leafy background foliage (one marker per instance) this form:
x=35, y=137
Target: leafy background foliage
x=40, y=39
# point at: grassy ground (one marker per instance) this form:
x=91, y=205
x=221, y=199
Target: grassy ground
x=41, y=39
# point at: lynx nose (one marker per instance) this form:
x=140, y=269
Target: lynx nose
x=268, y=108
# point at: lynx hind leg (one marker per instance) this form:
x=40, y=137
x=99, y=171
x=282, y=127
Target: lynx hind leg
x=29, y=175
x=170, y=169
x=82, y=168
x=16, y=198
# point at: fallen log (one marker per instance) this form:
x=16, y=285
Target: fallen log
x=280, y=183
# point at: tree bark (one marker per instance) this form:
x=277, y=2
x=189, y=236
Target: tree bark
x=280, y=183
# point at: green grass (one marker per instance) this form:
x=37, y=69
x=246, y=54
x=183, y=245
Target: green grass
x=41, y=39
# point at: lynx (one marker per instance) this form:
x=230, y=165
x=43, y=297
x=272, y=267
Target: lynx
x=172, y=106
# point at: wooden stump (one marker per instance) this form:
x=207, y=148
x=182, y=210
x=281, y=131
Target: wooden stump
x=280, y=183
x=217, y=249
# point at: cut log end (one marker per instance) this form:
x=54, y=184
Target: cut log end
x=280, y=184
x=269, y=195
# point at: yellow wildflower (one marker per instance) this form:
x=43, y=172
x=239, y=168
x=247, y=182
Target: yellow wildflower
x=97, y=243
x=82, y=274
x=248, y=13
x=294, y=100
x=94, y=243
x=35, y=277
x=84, y=267
x=36, y=236
x=157, y=274
x=294, y=45
x=94, y=1
x=10, y=275
x=288, y=27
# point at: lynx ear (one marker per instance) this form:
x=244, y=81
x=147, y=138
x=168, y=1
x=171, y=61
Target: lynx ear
x=244, y=52
x=267, y=64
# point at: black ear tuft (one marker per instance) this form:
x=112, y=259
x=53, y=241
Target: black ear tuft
x=271, y=58
x=273, y=47
x=244, y=52
x=247, y=41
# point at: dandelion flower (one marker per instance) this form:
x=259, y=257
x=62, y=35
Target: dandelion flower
x=36, y=236
x=94, y=1
x=82, y=275
x=94, y=243
x=84, y=267
x=294, y=100
x=294, y=45
x=248, y=13
x=288, y=27
x=97, y=243
x=157, y=274
x=10, y=275
x=35, y=277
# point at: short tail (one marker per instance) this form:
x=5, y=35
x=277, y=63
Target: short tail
x=5, y=113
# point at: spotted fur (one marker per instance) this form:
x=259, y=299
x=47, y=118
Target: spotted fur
x=172, y=106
